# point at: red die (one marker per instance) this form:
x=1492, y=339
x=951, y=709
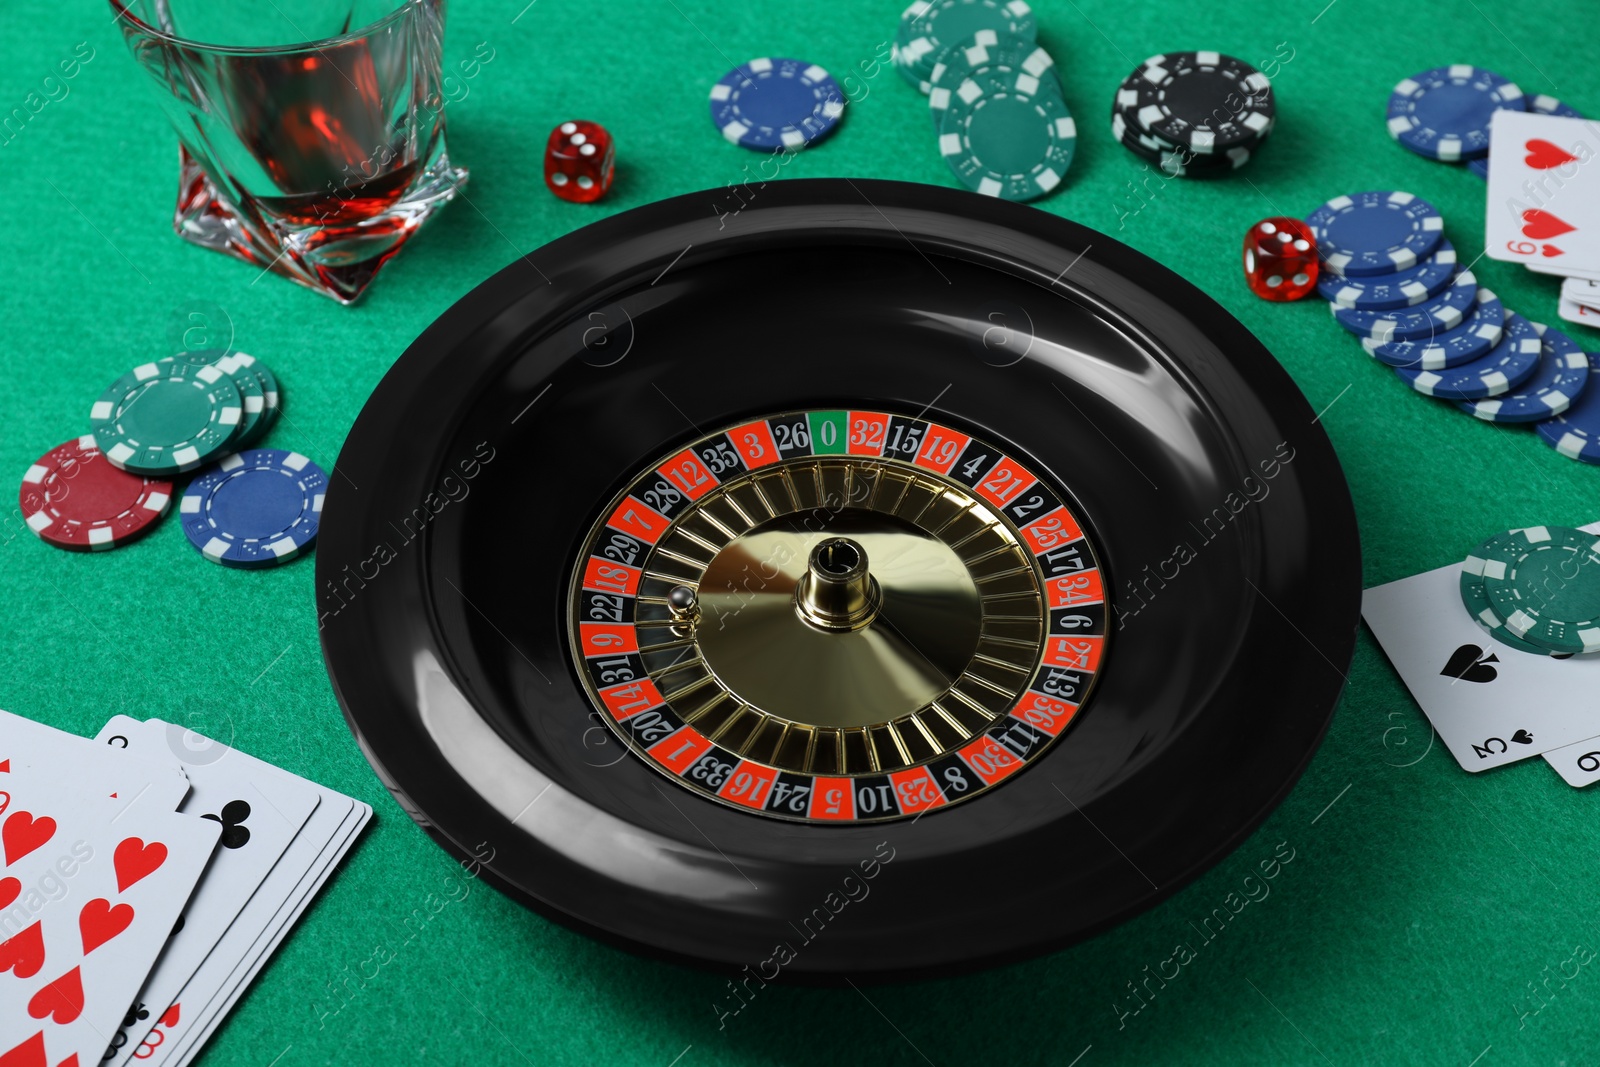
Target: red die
x=578, y=161
x=1280, y=259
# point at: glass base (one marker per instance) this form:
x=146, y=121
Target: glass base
x=337, y=260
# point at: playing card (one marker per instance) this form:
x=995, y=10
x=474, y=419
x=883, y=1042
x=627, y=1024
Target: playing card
x=30, y=749
x=264, y=921
x=195, y=1031
x=1490, y=703
x=1572, y=311
x=260, y=810
x=1565, y=272
x=1578, y=764
x=91, y=891
x=1544, y=196
x=1582, y=291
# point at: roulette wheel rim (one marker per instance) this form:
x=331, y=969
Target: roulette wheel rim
x=455, y=527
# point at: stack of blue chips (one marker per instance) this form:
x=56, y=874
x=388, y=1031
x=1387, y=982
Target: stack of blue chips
x=1391, y=278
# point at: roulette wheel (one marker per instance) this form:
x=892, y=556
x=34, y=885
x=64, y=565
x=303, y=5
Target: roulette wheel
x=880, y=581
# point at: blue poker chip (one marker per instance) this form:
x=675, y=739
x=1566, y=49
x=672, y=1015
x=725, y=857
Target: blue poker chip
x=776, y=104
x=1383, y=292
x=1470, y=341
x=256, y=508
x=1375, y=233
x=1542, y=104
x=1575, y=433
x=1440, y=315
x=1444, y=113
x=1563, y=372
x=1508, y=365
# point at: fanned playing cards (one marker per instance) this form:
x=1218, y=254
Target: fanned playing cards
x=1544, y=202
x=145, y=878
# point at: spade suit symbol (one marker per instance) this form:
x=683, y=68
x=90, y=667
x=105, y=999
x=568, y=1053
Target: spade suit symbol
x=1469, y=664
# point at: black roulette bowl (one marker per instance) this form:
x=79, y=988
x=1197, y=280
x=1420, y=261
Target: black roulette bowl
x=474, y=477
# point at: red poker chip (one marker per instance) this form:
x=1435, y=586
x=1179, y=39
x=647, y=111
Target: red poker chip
x=74, y=498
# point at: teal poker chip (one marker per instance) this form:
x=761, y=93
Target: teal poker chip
x=928, y=27
x=252, y=396
x=1470, y=341
x=1476, y=599
x=1561, y=378
x=1508, y=365
x=167, y=417
x=1028, y=67
x=1001, y=141
x=1544, y=582
x=274, y=398
x=244, y=366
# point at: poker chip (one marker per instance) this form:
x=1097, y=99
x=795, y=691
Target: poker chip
x=1508, y=365
x=1382, y=292
x=1001, y=141
x=1444, y=113
x=1475, y=598
x=776, y=104
x=1472, y=340
x=1173, y=160
x=73, y=498
x=164, y=418
x=256, y=508
x=928, y=27
x=1179, y=162
x=200, y=357
x=1559, y=380
x=1544, y=581
x=246, y=366
x=1375, y=232
x=1193, y=114
x=1575, y=433
x=273, y=396
x=252, y=377
x=1439, y=315
x=1028, y=68
x=252, y=397
x=1543, y=104
x=954, y=63
x=1204, y=101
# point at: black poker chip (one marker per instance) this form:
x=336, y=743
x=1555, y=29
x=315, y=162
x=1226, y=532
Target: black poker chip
x=564, y=540
x=1208, y=111
x=1176, y=161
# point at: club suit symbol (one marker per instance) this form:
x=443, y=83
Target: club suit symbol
x=235, y=834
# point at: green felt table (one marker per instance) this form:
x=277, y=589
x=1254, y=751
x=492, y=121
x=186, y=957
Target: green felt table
x=1420, y=903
